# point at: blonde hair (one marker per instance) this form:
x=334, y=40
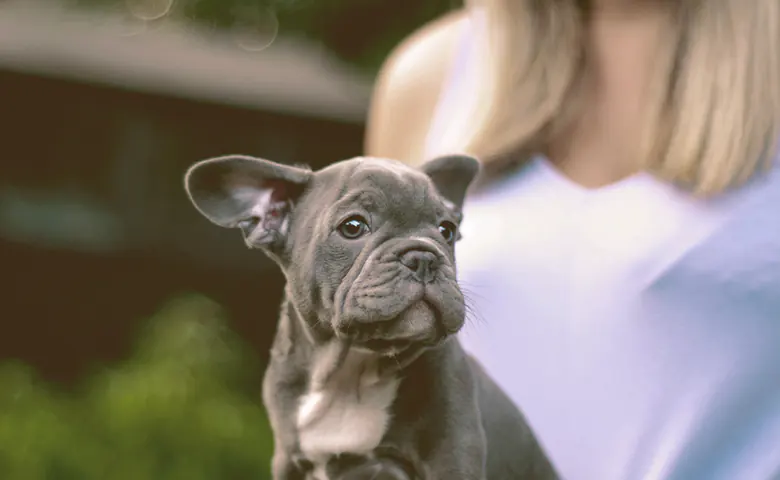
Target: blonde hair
x=712, y=114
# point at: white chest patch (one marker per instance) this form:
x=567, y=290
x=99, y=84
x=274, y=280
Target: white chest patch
x=348, y=414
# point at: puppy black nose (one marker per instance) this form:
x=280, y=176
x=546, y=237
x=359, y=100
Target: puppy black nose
x=422, y=263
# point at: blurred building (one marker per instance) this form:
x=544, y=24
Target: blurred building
x=100, y=117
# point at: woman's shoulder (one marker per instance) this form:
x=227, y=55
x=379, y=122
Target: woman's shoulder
x=407, y=89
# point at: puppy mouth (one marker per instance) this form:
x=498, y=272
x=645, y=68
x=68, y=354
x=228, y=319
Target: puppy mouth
x=418, y=326
x=385, y=346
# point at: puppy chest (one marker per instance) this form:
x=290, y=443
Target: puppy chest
x=350, y=415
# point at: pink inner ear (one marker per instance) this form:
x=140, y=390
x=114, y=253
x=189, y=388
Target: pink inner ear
x=279, y=190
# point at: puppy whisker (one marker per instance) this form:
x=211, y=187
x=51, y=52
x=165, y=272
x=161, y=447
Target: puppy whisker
x=470, y=289
x=473, y=315
x=394, y=355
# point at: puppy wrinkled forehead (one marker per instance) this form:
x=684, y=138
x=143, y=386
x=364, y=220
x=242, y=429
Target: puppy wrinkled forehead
x=392, y=179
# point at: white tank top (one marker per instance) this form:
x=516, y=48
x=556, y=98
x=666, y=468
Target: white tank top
x=637, y=327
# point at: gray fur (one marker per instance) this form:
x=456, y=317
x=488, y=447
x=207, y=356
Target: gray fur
x=366, y=378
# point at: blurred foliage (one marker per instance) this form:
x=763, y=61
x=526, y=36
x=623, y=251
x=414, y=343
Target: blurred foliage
x=361, y=32
x=185, y=406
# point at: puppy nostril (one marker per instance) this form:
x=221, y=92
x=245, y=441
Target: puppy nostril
x=422, y=263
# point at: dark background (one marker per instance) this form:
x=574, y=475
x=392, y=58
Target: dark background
x=101, y=112
x=72, y=142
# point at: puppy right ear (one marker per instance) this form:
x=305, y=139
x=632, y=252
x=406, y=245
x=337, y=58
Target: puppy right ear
x=452, y=175
x=253, y=194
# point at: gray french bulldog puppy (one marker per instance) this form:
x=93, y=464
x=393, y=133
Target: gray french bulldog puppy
x=366, y=379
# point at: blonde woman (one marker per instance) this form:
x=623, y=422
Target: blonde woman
x=622, y=250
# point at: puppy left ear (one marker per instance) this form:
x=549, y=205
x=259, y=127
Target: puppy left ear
x=452, y=175
x=252, y=194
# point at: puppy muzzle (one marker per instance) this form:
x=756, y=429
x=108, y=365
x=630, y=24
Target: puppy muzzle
x=404, y=295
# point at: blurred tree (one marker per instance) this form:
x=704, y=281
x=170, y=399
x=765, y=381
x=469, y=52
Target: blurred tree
x=361, y=32
x=186, y=406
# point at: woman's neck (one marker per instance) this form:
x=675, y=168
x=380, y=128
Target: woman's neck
x=624, y=8
x=601, y=145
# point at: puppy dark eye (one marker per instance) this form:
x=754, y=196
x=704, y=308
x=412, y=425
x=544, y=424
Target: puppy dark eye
x=447, y=230
x=353, y=227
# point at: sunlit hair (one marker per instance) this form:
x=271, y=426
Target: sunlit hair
x=711, y=115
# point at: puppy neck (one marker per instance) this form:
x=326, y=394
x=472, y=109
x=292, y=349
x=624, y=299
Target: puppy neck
x=295, y=335
x=330, y=360
x=347, y=406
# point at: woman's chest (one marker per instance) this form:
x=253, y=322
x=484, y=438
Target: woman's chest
x=546, y=234
x=587, y=275
x=620, y=325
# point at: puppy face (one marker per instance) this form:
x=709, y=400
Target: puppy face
x=367, y=245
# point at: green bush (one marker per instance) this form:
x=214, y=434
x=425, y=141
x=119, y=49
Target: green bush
x=183, y=407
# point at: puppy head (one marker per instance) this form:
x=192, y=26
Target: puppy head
x=366, y=244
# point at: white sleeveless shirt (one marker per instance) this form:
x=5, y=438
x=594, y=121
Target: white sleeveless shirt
x=637, y=328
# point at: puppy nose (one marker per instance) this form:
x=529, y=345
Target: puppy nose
x=422, y=263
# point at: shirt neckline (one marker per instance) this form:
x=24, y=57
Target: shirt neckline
x=546, y=168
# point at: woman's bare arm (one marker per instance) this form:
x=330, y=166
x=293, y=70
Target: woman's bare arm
x=407, y=90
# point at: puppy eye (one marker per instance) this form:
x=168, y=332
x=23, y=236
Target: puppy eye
x=447, y=230
x=354, y=227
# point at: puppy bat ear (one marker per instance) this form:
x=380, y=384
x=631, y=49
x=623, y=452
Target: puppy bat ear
x=255, y=195
x=452, y=175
